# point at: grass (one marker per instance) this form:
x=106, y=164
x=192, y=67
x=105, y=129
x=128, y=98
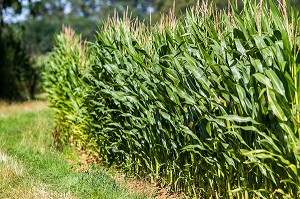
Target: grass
x=30, y=167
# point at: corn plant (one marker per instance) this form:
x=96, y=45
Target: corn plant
x=64, y=83
x=206, y=104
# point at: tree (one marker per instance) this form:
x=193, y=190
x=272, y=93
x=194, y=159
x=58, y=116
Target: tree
x=48, y=16
x=15, y=69
x=16, y=73
x=15, y=4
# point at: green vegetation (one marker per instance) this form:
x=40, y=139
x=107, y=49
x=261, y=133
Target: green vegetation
x=207, y=104
x=16, y=73
x=24, y=42
x=30, y=167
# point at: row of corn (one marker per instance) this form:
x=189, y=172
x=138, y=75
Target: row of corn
x=207, y=104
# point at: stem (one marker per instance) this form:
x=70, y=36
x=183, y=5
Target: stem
x=294, y=68
x=296, y=101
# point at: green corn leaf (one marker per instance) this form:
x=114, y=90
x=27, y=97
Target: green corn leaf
x=277, y=84
x=274, y=106
x=263, y=79
x=237, y=118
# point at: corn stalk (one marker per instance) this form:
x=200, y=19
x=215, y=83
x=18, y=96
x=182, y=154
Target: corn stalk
x=206, y=104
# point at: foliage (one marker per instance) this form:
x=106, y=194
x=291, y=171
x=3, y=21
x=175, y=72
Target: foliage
x=47, y=17
x=16, y=72
x=38, y=63
x=208, y=104
x=17, y=76
x=69, y=52
x=39, y=34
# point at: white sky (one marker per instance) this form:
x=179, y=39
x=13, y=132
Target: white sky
x=10, y=17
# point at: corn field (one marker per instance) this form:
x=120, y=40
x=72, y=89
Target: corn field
x=207, y=104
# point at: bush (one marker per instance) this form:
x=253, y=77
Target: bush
x=16, y=73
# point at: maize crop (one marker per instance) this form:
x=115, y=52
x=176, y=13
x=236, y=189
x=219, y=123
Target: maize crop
x=207, y=104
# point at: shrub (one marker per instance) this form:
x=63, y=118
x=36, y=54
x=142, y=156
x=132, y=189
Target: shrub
x=15, y=69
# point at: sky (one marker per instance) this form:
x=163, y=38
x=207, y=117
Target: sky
x=10, y=17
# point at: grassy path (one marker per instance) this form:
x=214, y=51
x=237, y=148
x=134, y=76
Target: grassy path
x=31, y=168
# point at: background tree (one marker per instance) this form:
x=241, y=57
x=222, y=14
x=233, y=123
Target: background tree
x=47, y=16
x=16, y=74
x=15, y=4
x=15, y=69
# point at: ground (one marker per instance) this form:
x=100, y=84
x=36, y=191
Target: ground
x=30, y=167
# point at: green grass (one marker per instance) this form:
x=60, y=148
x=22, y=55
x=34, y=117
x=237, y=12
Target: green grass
x=31, y=168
